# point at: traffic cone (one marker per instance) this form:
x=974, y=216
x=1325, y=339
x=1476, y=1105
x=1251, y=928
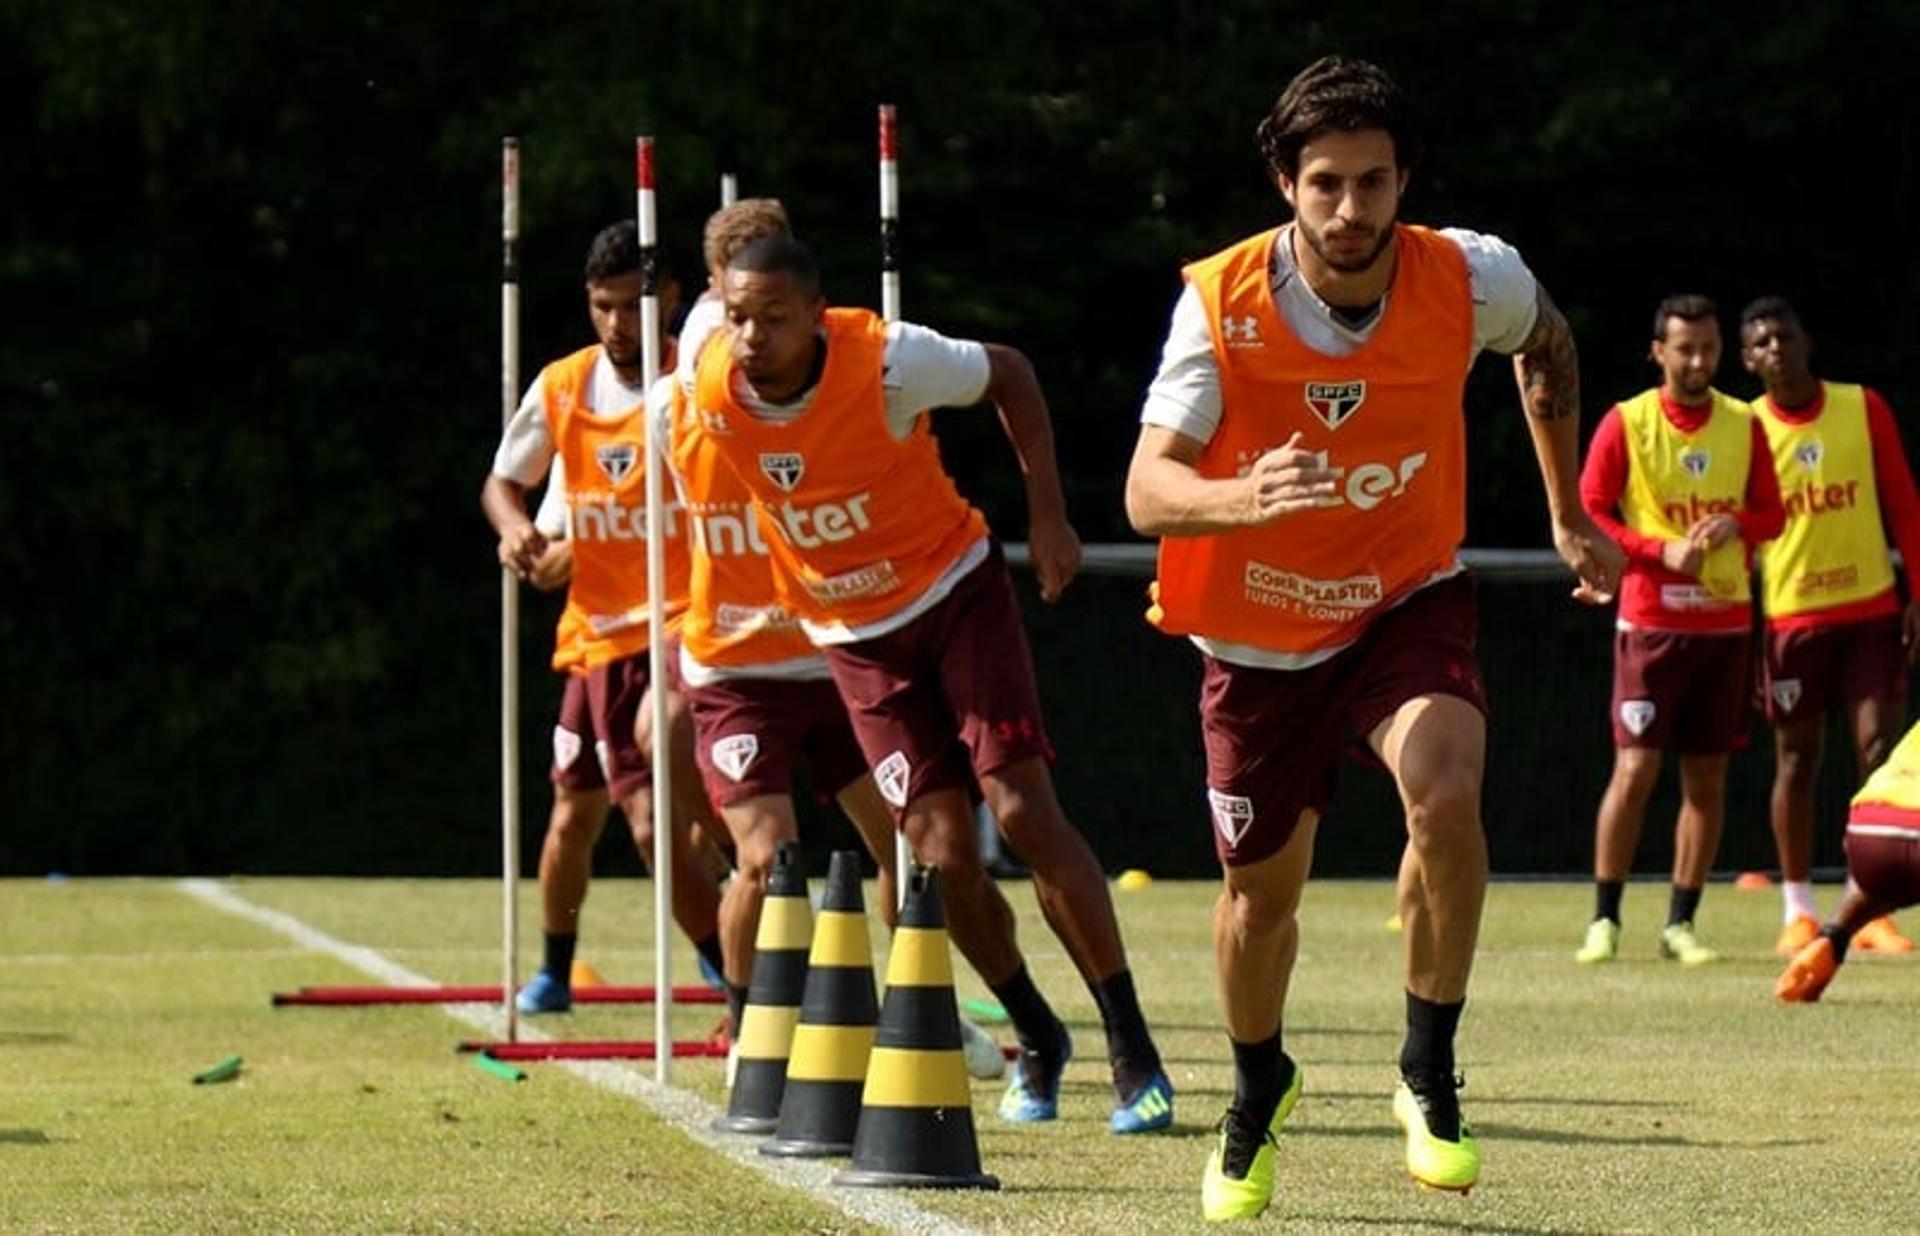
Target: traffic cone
x=584, y=975
x=821, y=1106
x=916, y=1112
x=773, y=999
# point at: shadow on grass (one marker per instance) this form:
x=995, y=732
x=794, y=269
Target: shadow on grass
x=24, y=1137
x=11, y=1037
x=1486, y=1100
x=1403, y=1224
x=1559, y=1137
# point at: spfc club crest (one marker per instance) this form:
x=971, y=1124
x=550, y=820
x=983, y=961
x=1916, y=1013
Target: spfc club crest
x=616, y=459
x=735, y=753
x=1334, y=402
x=1809, y=453
x=1694, y=463
x=1786, y=693
x=891, y=775
x=566, y=747
x=1636, y=715
x=1232, y=815
x=784, y=468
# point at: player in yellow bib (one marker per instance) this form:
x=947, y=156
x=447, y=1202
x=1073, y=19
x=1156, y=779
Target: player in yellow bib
x=1837, y=637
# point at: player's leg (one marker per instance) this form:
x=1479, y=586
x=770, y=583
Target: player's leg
x=1435, y=747
x=759, y=825
x=579, y=813
x=1884, y=875
x=1797, y=750
x=1696, y=840
x=1642, y=725
x=860, y=801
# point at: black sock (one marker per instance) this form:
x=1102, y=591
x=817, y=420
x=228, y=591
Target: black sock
x=1606, y=899
x=709, y=948
x=1841, y=939
x=559, y=956
x=1261, y=1074
x=736, y=1006
x=1033, y=1021
x=1129, y=1044
x=1684, y=904
x=1428, y=1050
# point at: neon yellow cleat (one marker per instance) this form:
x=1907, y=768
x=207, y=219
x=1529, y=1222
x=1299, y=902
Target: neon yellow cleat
x=1223, y=1196
x=1432, y=1161
x=1678, y=943
x=1602, y=942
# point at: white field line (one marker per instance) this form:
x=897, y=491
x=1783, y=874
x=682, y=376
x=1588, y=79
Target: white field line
x=686, y=1112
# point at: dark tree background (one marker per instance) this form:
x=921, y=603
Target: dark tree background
x=250, y=361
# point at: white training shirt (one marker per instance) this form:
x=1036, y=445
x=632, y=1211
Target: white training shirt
x=1185, y=394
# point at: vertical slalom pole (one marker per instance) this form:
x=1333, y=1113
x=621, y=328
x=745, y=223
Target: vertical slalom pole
x=890, y=310
x=729, y=189
x=509, y=596
x=659, y=757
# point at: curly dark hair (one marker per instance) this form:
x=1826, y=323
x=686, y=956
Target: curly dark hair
x=1688, y=307
x=614, y=252
x=1337, y=94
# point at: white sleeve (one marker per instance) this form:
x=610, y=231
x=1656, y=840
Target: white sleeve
x=660, y=430
x=1185, y=393
x=526, y=448
x=1505, y=296
x=707, y=316
x=924, y=369
x=551, y=518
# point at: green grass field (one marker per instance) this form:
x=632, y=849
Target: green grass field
x=1636, y=1097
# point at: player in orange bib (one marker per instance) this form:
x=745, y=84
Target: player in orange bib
x=1837, y=636
x=1687, y=470
x=586, y=410
x=821, y=414
x=1302, y=458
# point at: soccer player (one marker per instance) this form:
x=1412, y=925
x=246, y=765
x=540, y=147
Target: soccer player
x=1883, y=860
x=821, y=414
x=1681, y=477
x=1834, y=622
x=587, y=410
x=1302, y=457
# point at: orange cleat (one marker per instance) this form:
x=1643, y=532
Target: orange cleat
x=1796, y=935
x=1881, y=936
x=1808, y=974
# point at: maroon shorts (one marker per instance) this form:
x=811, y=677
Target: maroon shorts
x=959, y=671
x=616, y=692
x=575, y=765
x=1811, y=670
x=750, y=732
x=1680, y=691
x=1885, y=863
x=1274, y=738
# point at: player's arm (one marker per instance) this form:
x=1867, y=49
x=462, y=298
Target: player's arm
x=554, y=569
x=1546, y=367
x=1899, y=508
x=1051, y=541
x=525, y=451
x=1167, y=495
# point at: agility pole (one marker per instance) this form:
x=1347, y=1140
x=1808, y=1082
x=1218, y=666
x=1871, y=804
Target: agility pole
x=890, y=310
x=509, y=597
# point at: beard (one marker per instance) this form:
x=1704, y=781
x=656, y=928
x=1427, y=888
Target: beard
x=628, y=359
x=1348, y=265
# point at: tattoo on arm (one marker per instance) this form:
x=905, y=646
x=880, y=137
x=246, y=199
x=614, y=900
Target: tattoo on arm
x=1547, y=367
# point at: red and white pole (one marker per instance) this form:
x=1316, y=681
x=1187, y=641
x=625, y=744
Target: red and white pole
x=510, y=594
x=659, y=758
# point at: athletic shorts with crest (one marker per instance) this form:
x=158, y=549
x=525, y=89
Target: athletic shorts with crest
x=1275, y=739
x=954, y=687
x=750, y=733
x=575, y=766
x=1681, y=691
x=615, y=693
x=1808, y=671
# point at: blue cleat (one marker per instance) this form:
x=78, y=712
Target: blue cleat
x=545, y=994
x=1148, y=1111
x=1034, y=1093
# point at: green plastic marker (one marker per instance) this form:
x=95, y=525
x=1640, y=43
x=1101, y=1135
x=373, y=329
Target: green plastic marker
x=226, y=1070
x=984, y=1010
x=499, y=1068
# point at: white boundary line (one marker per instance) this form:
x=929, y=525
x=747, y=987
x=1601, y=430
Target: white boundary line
x=688, y=1113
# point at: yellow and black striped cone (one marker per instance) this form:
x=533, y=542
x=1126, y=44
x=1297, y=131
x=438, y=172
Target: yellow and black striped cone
x=828, y=1065
x=916, y=1113
x=773, y=999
